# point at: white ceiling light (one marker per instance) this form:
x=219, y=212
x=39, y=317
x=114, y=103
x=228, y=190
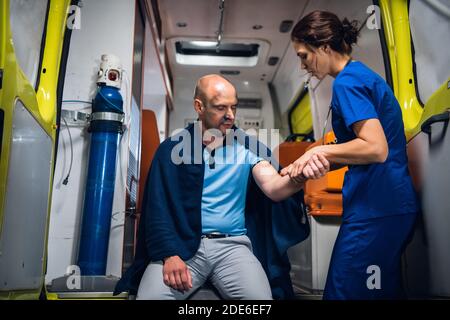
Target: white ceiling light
x=203, y=60
x=203, y=43
x=231, y=53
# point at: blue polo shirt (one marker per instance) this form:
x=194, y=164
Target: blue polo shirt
x=379, y=189
x=225, y=188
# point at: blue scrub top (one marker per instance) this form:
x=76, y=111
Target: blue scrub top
x=379, y=189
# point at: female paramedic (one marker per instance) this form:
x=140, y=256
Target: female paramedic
x=379, y=202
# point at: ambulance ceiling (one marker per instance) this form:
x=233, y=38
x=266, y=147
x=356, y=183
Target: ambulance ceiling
x=244, y=21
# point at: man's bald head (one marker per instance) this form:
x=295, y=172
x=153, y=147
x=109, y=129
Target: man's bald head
x=215, y=101
x=210, y=86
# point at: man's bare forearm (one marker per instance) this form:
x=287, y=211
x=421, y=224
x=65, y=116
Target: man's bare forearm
x=281, y=188
x=273, y=184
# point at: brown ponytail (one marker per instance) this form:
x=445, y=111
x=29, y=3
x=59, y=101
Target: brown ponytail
x=324, y=28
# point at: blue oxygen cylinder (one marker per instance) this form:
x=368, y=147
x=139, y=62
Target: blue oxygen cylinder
x=105, y=128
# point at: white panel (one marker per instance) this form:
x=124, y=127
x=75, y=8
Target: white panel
x=183, y=103
x=324, y=231
x=27, y=26
x=26, y=204
x=300, y=257
x=427, y=257
x=99, y=33
x=430, y=34
x=311, y=258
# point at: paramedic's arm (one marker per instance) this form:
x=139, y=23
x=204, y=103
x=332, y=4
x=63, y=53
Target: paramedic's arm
x=278, y=187
x=369, y=146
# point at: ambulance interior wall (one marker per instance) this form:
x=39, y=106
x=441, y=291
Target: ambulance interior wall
x=426, y=261
x=106, y=27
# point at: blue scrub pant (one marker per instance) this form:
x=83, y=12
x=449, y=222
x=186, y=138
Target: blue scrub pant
x=366, y=259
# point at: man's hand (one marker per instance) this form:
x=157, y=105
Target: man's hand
x=308, y=166
x=176, y=274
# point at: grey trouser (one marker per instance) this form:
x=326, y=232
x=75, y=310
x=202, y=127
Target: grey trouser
x=227, y=262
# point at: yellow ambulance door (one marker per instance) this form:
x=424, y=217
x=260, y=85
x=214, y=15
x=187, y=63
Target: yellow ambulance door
x=31, y=41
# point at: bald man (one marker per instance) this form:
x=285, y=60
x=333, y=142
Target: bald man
x=203, y=220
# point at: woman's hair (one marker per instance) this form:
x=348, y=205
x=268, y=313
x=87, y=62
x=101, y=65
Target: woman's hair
x=324, y=28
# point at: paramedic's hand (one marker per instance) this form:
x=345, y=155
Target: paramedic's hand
x=287, y=171
x=176, y=274
x=295, y=169
x=317, y=167
x=309, y=166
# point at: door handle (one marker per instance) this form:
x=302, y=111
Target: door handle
x=442, y=117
